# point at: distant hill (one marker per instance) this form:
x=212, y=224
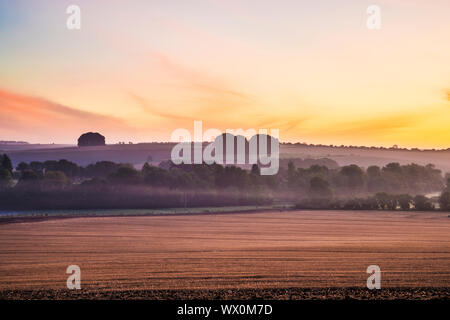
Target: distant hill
x=13, y=143
x=7, y=146
x=138, y=154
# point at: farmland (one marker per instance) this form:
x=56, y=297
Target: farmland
x=294, y=249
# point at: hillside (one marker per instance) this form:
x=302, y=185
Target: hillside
x=137, y=154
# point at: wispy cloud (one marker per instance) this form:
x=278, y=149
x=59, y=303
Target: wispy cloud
x=191, y=94
x=28, y=116
x=197, y=80
x=376, y=126
x=148, y=107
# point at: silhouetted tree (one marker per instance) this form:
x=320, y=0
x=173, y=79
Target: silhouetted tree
x=386, y=201
x=125, y=175
x=320, y=189
x=354, y=175
x=91, y=139
x=55, y=180
x=291, y=174
x=444, y=201
x=373, y=171
x=101, y=169
x=404, y=201
x=422, y=203
x=255, y=170
x=155, y=176
x=22, y=167
x=5, y=163
x=5, y=178
x=37, y=166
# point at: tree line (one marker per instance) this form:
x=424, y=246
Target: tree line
x=391, y=187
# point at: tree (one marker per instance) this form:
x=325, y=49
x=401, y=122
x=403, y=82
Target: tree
x=5, y=178
x=232, y=176
x=69, y=168
x=255, y=170
x=29, y=180
x=55, y=180
x=320, y=189
x=91, y=139
x=444, y=201
x=404, y=200
x=393, y=167
x=22, y=167
x=5, y=163
x=447, y=187
x=51, y=165
x=154, y=176
x=37, y=166
x=354, y=175
x=125, y=175
x=386, y=201
x=422, y=203
x=375, y=180
x=373, y=171
x=28, y=176
x=291, y=174
x=101, y=169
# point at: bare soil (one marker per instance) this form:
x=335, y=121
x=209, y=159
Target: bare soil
x=282, y=255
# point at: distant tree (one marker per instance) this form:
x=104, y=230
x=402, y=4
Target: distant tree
x=36, y=166
x=447, y=184
x=320, y=189
x=22, y=167
x=392, y=178
x=256, y=180
x=5, y=163
x=125, y=175
x=146, y=168
x=444, y=201
x=5, y=178
x=393, y=167
x=354, y=175
x=101, y=169
x=255, y=170
x=291, y=174
x=386, y=201
x=69, y=168
x=422, y=203
x=319, y=170
x=51, y=165
x=405, y=201
x=231, y=176
x=91, y=139
x=155, y=176
x=55, y=180
x=29, y=176
x=373, y=171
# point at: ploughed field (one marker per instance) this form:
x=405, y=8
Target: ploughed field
x=259, y=253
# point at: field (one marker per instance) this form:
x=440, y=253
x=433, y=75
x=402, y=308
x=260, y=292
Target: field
x=257, y=253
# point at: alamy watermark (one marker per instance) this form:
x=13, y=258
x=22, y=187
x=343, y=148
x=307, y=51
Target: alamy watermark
x=374, y=19
x=374, y=281
x=74, y=19
x=74, y=280
x=229, y=148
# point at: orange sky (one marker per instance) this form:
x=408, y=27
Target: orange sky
x=136, y=70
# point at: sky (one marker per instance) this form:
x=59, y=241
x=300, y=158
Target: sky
x=138, y=70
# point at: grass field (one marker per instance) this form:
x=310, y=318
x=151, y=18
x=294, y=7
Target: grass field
x=294, y=249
